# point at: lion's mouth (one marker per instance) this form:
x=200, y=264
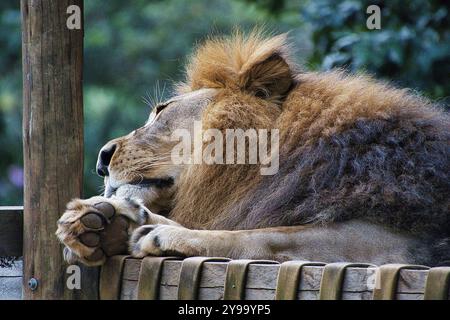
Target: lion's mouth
x=153, y=182
x=145, y=183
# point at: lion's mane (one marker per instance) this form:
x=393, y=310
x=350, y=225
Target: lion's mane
x=350, y=147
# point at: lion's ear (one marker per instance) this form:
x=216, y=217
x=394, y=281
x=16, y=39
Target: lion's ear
x=251, y=63
x=269, y=78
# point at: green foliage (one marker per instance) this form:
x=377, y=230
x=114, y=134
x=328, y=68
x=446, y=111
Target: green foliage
x=412, y=48
x=10, y=103
x=133, y=47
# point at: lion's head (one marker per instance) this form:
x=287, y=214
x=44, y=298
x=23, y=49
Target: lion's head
x=139, y=165
x=235, y=82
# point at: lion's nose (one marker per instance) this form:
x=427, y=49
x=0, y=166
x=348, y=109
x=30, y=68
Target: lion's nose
x=104, y=158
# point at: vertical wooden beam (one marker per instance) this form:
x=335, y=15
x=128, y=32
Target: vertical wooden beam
x=52, y=141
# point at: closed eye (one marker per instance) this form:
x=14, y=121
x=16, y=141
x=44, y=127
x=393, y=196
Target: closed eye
x=155, y=110
x=160, y=107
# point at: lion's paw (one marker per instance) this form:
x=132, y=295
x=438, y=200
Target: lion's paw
x=92, y=230
x=158, y=240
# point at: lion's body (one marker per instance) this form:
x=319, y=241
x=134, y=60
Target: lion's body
x=364, y=169
x=350, y=148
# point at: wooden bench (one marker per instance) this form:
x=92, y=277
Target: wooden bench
x=261, y=280
x=260, y=284
x=120, y=276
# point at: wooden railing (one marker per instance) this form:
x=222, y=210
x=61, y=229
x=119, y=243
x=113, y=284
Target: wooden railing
x=11, y=226
x=200, y=278
x=261, y=280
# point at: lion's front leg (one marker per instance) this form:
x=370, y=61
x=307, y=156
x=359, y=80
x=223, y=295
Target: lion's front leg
x=347, y=241
x=271, y=243
x=96, y=228
x=163, y=240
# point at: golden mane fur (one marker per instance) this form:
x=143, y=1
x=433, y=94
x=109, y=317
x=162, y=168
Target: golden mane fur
x=350, y=146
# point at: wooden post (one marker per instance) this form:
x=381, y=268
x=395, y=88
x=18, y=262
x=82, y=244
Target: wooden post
x=52, y=142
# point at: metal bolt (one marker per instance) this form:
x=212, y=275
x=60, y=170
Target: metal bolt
x=33, y=284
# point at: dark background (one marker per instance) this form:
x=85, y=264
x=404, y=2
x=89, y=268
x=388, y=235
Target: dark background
x=136, y=49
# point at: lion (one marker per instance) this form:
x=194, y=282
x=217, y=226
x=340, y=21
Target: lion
x=364, y=169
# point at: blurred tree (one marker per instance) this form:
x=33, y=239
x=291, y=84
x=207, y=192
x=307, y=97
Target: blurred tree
x=10, y=104
x=412, y=48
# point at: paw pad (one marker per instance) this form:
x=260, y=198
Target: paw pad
x=106, y=208
x=92, y=220
x=90, y=239
x=97, y=255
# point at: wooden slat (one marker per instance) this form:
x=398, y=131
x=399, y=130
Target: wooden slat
x=261, y=282
x=11, y=282
x=11, y=223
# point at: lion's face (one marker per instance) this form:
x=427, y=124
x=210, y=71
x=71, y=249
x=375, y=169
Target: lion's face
x=139, y=164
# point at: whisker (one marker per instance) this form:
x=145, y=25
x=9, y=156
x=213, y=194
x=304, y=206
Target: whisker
x=101, y=190
x=160, y=165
